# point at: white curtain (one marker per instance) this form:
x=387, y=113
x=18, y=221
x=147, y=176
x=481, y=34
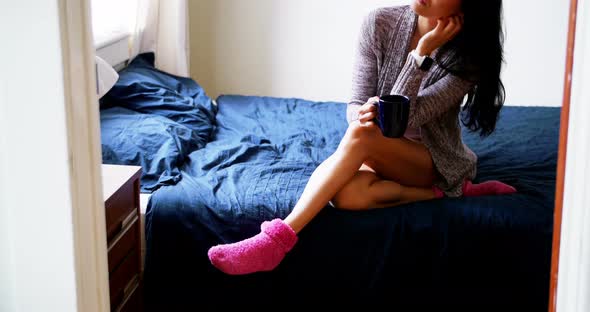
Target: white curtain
x=159, y=26
x=162, y=28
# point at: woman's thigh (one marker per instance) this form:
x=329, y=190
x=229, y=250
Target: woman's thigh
x=401, y=160
x=406, y=162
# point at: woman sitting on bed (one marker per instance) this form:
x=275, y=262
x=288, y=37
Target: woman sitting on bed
x=368, y=170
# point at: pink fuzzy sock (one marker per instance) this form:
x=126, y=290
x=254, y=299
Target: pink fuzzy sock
x=262, y=252
x=485, y=188
x=492, y=187
x=437, y=192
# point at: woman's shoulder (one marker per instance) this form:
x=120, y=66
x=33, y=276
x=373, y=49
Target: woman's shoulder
x=382, y=20
x=388, y=14
x=391, y=11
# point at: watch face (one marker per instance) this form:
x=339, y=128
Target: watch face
x=427, y=63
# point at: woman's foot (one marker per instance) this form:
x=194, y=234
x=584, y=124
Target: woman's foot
x=492, y=187
x=262, y=252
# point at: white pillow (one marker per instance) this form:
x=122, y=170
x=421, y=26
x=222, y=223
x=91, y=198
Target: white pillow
x=106, y=76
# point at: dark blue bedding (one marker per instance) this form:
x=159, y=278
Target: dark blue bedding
x=484, y=251
x=154, y=120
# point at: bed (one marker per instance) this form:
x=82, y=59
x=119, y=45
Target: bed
x=238, y=160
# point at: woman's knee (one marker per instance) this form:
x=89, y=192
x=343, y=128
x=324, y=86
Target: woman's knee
x=367, y=130
x=360, y=137
x=355, y=194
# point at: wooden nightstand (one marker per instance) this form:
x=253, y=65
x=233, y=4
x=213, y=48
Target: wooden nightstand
x=121, y=195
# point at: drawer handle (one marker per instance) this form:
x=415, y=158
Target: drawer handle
x=128, y=220
x=130, y=287
x=123, y=230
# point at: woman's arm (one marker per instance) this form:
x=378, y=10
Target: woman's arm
x=433, y=101
x=364, y=80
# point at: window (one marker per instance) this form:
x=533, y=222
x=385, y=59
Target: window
x=112, y=19
x=113, y=22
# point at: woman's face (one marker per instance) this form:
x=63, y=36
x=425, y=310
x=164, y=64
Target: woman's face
x=437, y=8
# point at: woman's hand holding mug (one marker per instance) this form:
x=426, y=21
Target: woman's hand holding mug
x=369, y=110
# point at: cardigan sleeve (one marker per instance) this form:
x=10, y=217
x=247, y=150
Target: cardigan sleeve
x=432, y=101
x=364, y=80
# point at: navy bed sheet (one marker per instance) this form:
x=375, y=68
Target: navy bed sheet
x=490, y=250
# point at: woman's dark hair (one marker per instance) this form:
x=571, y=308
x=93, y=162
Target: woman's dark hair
x=479, y=49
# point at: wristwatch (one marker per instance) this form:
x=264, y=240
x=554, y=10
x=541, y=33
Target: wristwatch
x=424, y=62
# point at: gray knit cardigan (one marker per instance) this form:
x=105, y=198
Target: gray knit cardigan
x=383, y=66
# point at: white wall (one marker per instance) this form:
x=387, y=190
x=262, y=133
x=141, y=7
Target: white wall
x=305, y=48
x=36, y=243
x=535, y=51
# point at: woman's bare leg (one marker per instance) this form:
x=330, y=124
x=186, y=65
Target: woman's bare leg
x=328, y=178
x=264, y=251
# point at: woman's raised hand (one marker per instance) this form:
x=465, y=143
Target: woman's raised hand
x=446, y=29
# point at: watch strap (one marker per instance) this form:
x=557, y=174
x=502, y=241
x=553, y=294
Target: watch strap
x=424, y=62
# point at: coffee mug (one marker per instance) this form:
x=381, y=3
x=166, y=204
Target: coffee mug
x=393, y=113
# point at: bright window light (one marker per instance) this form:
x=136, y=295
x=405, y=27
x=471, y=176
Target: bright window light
x=112, y=19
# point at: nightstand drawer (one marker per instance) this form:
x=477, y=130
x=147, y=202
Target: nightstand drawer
x=118, y=207
x=121, y=188
x=124, y=241
x=123, y=278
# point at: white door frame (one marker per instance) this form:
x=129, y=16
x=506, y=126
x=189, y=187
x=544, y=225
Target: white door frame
x=573, y=281
x=83, y=129
x=53, y=249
